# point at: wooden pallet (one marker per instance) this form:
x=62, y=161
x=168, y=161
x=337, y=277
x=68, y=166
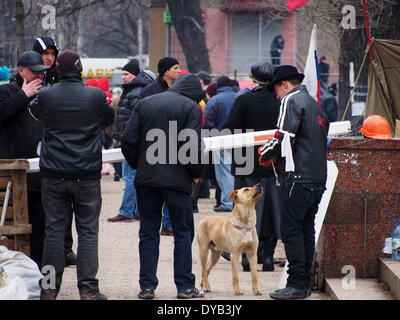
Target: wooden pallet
x=16, y=230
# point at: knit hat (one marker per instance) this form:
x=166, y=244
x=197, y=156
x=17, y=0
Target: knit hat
x=212, y=89
x=223, y=81
x=132, y=67
x=165, y=64
x=68, y=61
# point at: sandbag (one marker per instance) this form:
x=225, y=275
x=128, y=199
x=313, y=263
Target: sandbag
x=21, y=271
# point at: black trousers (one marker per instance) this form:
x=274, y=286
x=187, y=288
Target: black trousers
x=300, y=205
x=60, y=198
x=37, y=220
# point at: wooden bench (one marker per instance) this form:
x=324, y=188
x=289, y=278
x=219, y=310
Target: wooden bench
x=14, y=234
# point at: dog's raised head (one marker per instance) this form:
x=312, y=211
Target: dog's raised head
x=247, y=195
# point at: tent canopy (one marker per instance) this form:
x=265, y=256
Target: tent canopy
x=383, y=96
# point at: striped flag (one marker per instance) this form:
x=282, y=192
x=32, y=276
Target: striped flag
x=311, y=71
x=293, y=4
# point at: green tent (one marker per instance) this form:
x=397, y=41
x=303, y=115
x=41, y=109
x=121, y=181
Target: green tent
x=383, y=96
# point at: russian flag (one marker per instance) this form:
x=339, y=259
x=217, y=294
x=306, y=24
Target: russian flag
x=311, y=71
x=293, y=4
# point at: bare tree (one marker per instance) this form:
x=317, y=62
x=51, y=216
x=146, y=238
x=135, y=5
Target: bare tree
x=186, y=17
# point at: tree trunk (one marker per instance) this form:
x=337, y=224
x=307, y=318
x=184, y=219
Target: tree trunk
x=20, y=17
x=186, y=17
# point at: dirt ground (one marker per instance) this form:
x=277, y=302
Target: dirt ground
x=119, y=260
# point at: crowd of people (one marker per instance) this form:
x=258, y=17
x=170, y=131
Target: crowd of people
x=46, y=110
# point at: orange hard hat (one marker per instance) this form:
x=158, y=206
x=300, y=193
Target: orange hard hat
x=376, y=127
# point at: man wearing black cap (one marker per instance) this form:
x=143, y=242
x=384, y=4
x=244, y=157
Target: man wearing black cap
x=20, y=135
x=134, y=82
x=258, y=110
x=168, y=72
x=47, y=48
x=73, y=115
x=300, y=145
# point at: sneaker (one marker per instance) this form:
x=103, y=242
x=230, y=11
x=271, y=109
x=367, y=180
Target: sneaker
x=70, y=259
x=146, y=294
x=190, y=293
x=167, y=232
x=290, y=293
x=93, y=296
x=221, y=209
x=119, y=218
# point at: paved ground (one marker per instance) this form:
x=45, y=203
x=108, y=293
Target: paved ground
x=119, y=260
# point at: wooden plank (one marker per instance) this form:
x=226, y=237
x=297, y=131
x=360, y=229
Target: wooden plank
x=397, y=132
x=16, y=229
x=9, y=213
x=13, y=164
x=20, y=198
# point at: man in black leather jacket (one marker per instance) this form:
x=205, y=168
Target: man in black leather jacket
x=301, y=141
x=70, y=166
x=150, y=144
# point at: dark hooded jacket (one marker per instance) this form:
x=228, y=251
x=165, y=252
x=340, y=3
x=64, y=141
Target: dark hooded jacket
x=20, y=133
x=157, y=86
x=151, y=141
x=129, y=99
x=40, y=45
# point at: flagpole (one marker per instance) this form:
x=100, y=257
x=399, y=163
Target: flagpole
x=368, y=32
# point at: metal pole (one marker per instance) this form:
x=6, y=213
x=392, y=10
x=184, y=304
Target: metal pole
x=168, y=36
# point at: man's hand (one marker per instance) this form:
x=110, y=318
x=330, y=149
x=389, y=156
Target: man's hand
x=31, y=89
x=195, y=180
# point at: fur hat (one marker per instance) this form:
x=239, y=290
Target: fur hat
x=262, y=72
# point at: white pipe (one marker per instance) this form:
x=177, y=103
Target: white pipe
x=5, y=205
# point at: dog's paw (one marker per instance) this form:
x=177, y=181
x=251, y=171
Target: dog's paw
x=206, y=288
x=238, y=293
x=258, y=293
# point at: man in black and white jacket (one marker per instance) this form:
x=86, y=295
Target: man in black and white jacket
x=300, y=146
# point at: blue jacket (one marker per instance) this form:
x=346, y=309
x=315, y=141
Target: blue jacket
x=218, y=108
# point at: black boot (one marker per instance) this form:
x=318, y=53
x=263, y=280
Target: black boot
x=245, y=263
x=260, y=252
x=268, y=264
x=269, y=250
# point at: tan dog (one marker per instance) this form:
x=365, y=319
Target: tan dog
x=235, y=234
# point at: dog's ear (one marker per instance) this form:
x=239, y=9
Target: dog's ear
x=233, y=195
